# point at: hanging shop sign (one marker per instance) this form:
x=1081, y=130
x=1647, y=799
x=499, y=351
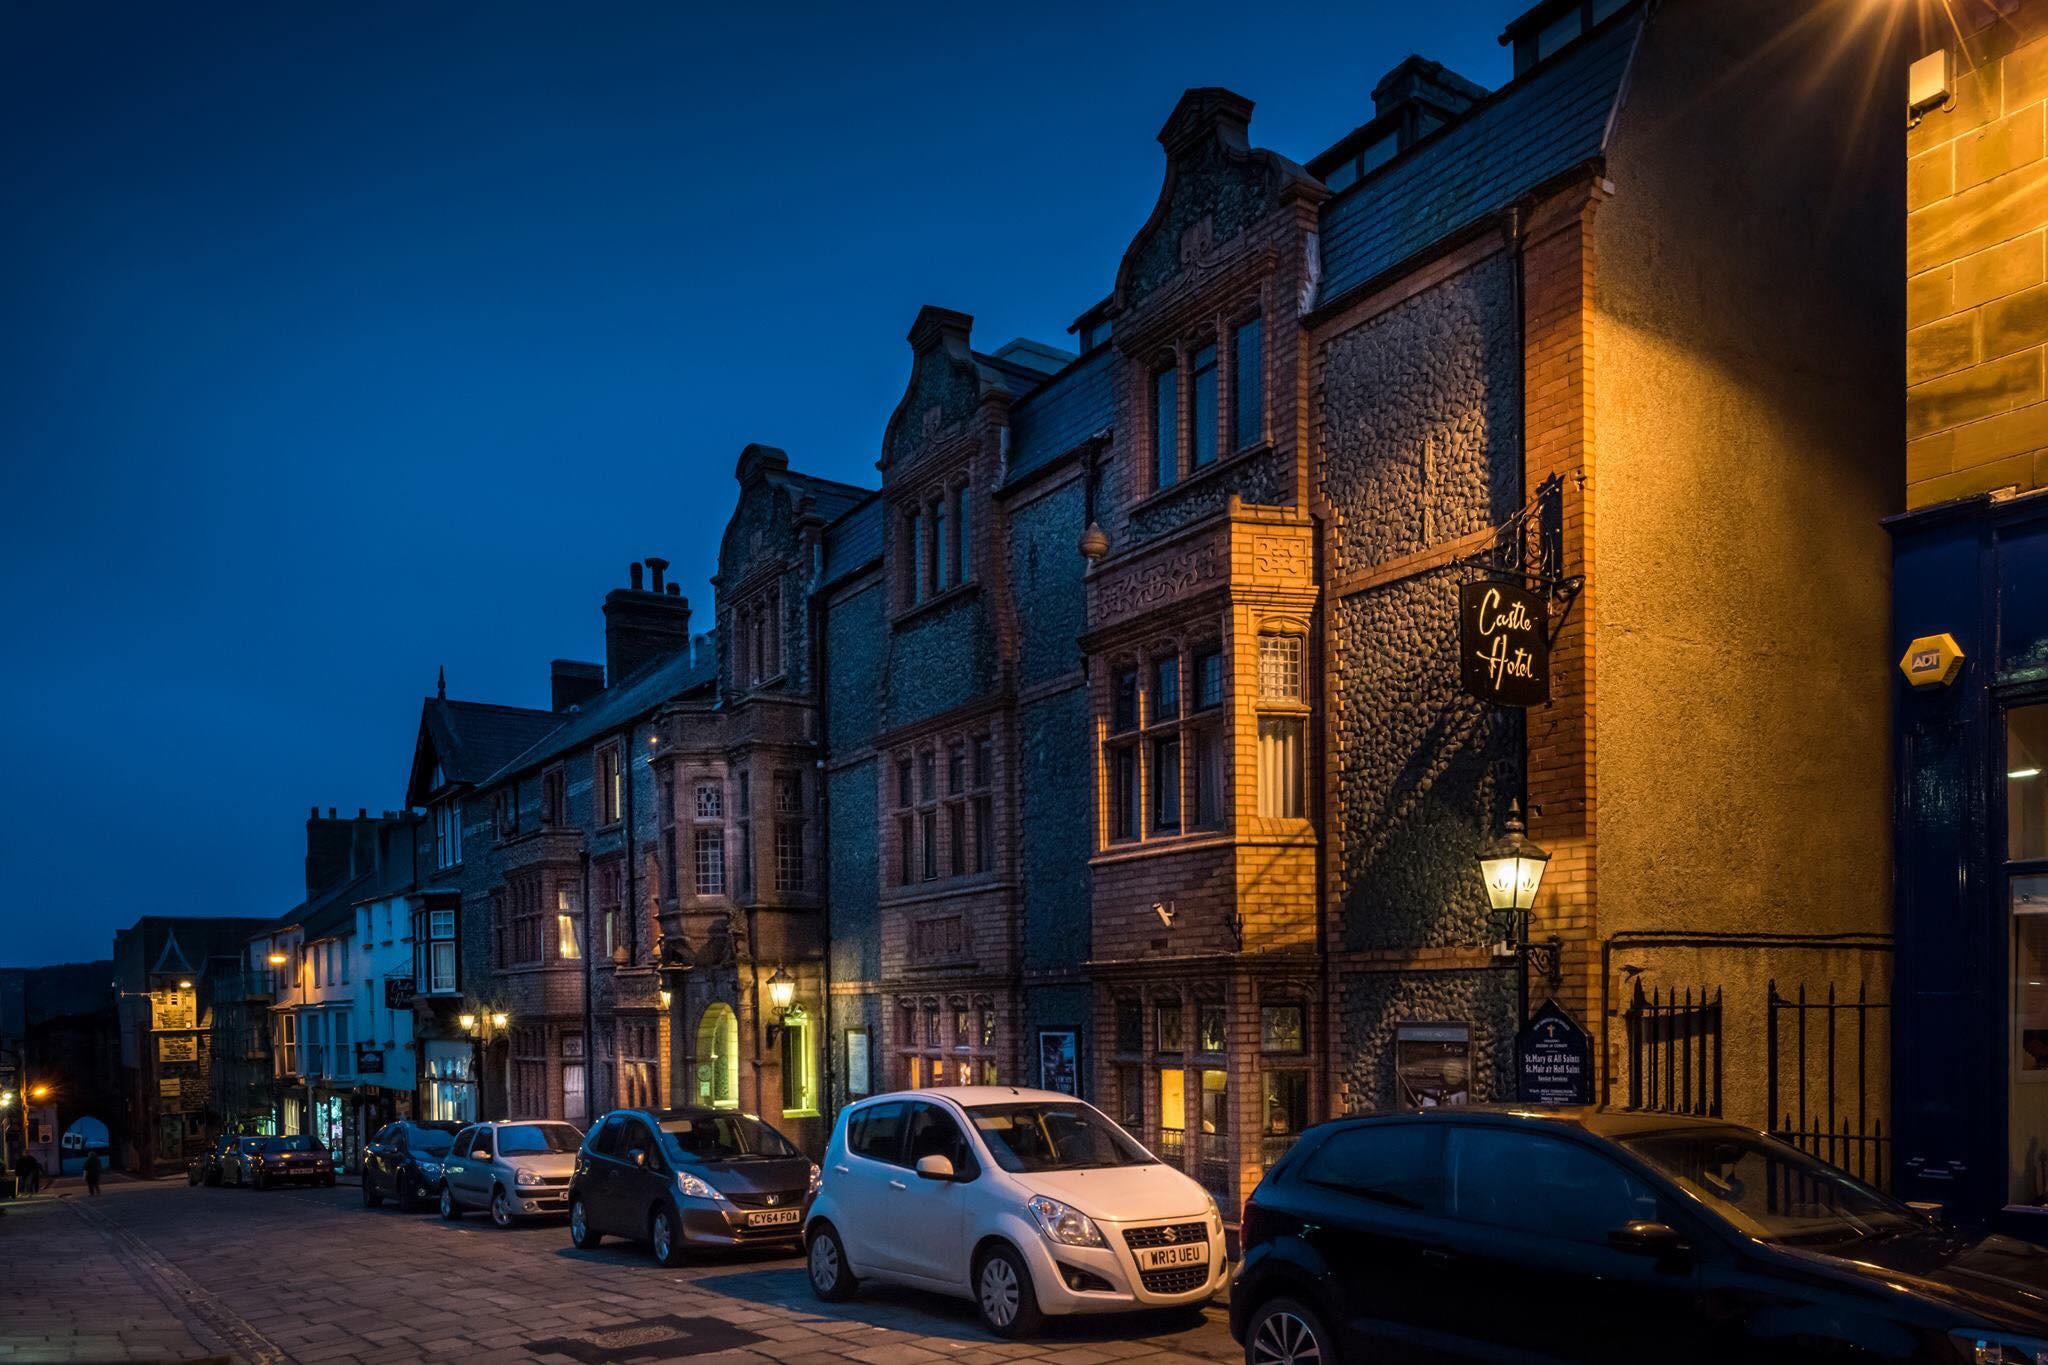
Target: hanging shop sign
x=398, y=992
x=1433, y=1064
x=1555, y=1058
x=1503, y=643
x=369, y=1058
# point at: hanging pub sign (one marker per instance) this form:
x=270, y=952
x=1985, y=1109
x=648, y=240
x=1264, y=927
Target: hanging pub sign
x=1503, y=643
x=1555, y=1059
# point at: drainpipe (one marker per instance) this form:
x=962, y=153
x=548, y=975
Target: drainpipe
x=820, y=675
x=589, y=1012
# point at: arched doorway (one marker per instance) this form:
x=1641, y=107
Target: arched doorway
x=718, y=1057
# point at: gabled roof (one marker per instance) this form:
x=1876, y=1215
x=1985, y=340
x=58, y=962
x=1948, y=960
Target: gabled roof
x=334, y=909
x=172, y=958
x=639, y=693
x=1525, y=135
x=831, y=497
x=855, y=540
x=1077, y=403
x=470, y=740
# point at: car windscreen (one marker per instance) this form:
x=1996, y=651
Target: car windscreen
x=429, y=1141
x=1045, y=1135
x=722, y=1137
x=527, y=1139
x=1769, y=1189
x=298, y=1142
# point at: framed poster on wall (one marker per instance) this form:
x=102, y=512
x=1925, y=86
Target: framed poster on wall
x=1432, y=1065
x=1059, y=1060
x=857, y=1083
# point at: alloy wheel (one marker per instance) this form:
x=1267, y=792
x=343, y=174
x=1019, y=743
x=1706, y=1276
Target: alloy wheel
x=664, y=1237
x=1284, y=1339
x=998, y=1291
x=501, y=1209
x=824, y=1264
x=579, y=1225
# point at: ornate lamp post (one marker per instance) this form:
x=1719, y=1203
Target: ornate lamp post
x=1512, y=866
x=781, y=996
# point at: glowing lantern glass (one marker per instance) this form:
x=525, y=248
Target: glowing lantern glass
x=781, y=991
x=1513, y=865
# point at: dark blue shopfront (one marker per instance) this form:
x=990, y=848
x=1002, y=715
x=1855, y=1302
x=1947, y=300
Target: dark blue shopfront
x=1970, y=748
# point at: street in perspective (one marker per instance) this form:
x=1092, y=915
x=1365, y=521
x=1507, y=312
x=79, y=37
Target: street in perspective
x=1424, y=737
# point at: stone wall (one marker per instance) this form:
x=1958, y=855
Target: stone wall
x=1976, y=273
x=1372, y=1006
x=1045, y=575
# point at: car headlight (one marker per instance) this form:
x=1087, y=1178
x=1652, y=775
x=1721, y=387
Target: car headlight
x=817, y=1178
x=526, y=1177
x=1998, y=1348
x=693, y=1187
x=429, y=1169
x=1215, y=1211
x=1068, y=1227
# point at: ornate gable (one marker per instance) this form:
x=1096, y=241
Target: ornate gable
x=1217, y=185
x=945, y=384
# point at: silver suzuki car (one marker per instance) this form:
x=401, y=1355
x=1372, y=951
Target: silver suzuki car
x=515, y=1168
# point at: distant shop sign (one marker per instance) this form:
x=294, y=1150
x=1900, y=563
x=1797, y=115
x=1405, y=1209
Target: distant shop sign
x=369, y=1059
x=398, y=992
x=1556, y=1058
x=1433, y=1064
x=1503, y=643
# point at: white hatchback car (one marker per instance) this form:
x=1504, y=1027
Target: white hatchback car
x=1028, y=1202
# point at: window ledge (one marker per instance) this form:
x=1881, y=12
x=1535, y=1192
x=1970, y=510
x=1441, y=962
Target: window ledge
x=943, y=888
x=1134, y=849
x=959, y=592
x=1199, y=477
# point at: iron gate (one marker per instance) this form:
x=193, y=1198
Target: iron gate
x=1828, y=1115
x=1674, y=1050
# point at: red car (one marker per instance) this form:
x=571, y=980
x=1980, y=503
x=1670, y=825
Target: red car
x=291, y=1160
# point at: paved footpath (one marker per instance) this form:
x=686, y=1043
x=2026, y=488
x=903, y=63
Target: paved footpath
x=164, y=1271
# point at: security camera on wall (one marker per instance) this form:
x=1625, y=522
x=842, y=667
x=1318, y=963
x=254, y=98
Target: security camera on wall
x=1164, y=911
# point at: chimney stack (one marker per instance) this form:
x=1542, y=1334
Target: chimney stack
x=643, y=624
x=571, y=683
x=1425, y=95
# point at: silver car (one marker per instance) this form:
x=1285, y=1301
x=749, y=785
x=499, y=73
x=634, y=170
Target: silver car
x=515, y=1168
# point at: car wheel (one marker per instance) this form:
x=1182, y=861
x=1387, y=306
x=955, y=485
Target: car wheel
x=449, y=1208
x=1288, y=1332
x=191, y=1177
x=262, y=1180
x=581, y=1234
x=213, y=1178
x=831, y=1277
x=373, y=1197
x=664, y=1238
x=1004, y=1295
x=501, y=1208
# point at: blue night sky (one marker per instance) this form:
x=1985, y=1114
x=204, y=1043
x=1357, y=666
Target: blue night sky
x=345, y=342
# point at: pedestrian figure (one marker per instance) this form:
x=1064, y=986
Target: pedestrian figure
x=92, y=1172
x=28, y=1173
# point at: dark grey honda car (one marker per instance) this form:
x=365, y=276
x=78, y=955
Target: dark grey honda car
x=678, y=1178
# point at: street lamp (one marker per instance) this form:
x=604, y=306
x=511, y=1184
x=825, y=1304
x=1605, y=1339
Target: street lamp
x=1512, y=865
x=468, y=1022
x=277, y=959
x=499, y=1019
x=781, y=995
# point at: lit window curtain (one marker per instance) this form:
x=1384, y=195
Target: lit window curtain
x=1280, y=766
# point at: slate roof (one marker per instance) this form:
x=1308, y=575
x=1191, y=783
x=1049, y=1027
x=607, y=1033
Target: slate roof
x=334, y=909
x=1528, y=133
x=855, y=540
x=1077, y=403
x=831, y=497
x=473, y=739
x=636, y=694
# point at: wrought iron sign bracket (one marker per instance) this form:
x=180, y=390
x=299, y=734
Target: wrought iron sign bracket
x=1528, y=548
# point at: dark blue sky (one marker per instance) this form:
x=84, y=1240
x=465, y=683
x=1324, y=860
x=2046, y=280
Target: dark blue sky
x=344, y=342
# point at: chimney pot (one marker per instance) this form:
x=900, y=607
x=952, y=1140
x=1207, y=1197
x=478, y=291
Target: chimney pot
x=657, y=566
x=362, y=812
x=330, y=813
x=633, y=573
x=675, y=590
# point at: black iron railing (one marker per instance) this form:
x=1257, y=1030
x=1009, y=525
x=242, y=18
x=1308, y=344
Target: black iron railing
x=1824, y=1107
x=1674, y=1047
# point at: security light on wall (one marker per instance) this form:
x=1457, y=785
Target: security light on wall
x=277, y=959
x=1930, y=83
x=1165, y=911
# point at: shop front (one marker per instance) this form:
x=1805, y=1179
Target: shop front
x=1970, y=617
x=448, y=1080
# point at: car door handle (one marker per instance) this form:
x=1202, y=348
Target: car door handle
x=844, y=1170
x=898, y=1185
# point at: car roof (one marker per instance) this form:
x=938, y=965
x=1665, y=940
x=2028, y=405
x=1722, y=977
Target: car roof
x=965, y=1095
x=1603, y=1121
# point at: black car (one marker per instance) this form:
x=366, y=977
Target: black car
x=688, y=1177
x=1597, y=1235
x=295, y=1160
x=403, y=1161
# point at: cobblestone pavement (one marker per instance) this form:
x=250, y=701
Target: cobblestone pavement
x=164, y=1271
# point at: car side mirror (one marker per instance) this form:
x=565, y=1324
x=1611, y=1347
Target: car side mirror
x=934, y=1168
x=1647, y=1239
x=638, y=1156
